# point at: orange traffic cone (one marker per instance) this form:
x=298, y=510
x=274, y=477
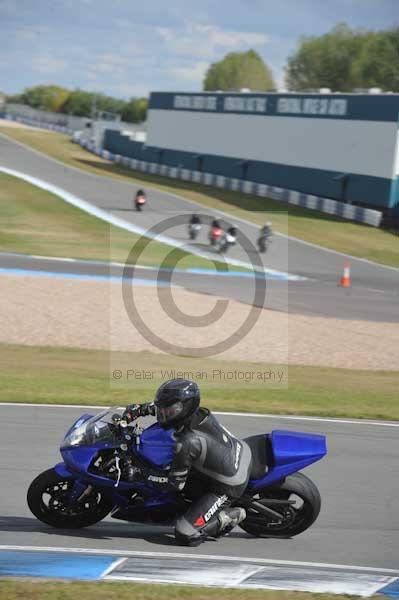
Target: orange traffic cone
x=345, y=280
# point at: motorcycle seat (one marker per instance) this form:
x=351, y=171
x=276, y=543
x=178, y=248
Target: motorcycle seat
x=262, y=456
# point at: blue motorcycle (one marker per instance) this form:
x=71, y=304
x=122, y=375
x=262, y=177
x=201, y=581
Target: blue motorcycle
x=104, y=457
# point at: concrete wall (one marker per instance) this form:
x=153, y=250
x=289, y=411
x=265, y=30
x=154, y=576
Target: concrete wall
x=44, y=117
x=71, y=123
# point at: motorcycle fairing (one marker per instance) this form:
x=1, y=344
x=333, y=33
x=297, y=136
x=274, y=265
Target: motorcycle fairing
x=292, y=451
x=157, y=445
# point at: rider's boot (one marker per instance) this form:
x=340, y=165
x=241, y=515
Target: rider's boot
x=230, y=518
x=225, y=521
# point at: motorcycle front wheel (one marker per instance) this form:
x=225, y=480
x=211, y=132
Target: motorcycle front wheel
x=48, y=500
x=296, y=517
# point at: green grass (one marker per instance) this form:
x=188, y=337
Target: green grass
x=312, y=226
x=33, y=221
x=74, y=376
x=56, y=590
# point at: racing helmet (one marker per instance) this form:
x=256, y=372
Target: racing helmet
x=176, y=401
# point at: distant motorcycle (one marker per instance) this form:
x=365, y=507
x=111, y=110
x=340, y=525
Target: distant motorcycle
x=193, y=230
x=228, y=239
x=214, y=235
x=263, y=243
x=140, y=201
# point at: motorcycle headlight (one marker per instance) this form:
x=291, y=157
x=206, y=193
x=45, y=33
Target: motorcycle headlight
x=76, y=437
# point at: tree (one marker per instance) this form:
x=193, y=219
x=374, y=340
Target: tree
x=239, y=70
x=135, y=111
x=46, y=97
x=377, y=62
x=324, y=61
x=343, y=59
x=81, y=103
x=15, y=98
x=89, y=104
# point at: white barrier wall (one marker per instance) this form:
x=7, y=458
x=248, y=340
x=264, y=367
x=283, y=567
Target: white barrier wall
x=361, y=147
x=341, y=146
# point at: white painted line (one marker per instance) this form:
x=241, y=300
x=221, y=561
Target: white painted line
x=85, y=261
x=62, y=259
x=228, y=414
x=206, y=573
x=41, y=405
x=213, y=557
x=306, y=418
x=122, y=224
x=146, y=580
x=112, y=566
x=253, y=572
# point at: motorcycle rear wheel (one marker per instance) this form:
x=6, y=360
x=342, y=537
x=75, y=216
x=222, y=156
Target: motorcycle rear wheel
x=47, y=499
x=296, y=518
x=262, y=247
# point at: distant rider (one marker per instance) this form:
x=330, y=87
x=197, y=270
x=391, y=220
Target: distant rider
x=140, y=194
x=232, y=230
x=266, y=230
x=215, y=232
x=220, y=460
x=195, y=220
x=216, y=224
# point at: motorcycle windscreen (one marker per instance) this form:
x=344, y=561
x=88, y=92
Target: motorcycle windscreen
x=157, y=445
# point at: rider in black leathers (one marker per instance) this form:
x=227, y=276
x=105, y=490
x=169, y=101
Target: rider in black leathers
x=195, y=220
x=266, y=230
x=221, y=461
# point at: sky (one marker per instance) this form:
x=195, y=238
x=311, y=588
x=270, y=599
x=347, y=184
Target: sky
x=127, y=48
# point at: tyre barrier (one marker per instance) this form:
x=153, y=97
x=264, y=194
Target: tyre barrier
x=40, y=124
x=350, y=212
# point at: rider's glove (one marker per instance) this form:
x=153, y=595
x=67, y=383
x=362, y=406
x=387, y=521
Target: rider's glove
x=133, y=411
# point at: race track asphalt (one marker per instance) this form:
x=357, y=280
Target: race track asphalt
x=373, y=296
x=358, y=524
